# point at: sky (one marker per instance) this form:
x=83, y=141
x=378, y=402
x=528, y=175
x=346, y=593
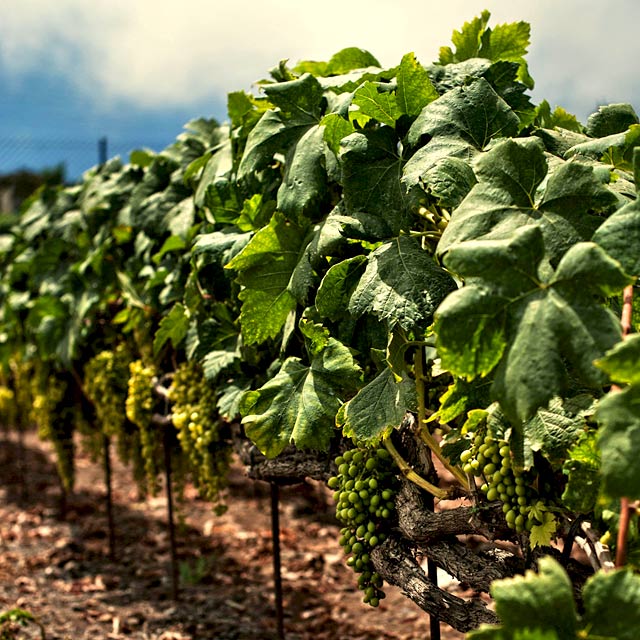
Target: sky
x=135, y=71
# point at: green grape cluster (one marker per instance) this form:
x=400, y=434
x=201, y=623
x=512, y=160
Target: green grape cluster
x=54, y=421
x=7, y=407
x=195, y=417
x=105, y=383
x=489, y=458
x=364, y=491
x=139, y=410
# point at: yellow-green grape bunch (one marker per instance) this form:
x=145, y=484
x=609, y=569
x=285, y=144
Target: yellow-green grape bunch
x=54, y=422
x=195, y=417
x=364, y=491
x=22, y=374
x=105, y=383
x=489, y=458
x=8, y=410
x=139, y=409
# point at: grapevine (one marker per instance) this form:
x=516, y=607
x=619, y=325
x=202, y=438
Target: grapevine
x=364, y=492
x=295, y=256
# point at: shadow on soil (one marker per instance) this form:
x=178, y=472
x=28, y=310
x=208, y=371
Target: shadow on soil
x=219, y=598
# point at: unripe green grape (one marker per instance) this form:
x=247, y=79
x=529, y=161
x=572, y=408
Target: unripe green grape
x=365, y=507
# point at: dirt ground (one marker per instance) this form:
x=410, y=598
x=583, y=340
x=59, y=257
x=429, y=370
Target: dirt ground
x=60, y=571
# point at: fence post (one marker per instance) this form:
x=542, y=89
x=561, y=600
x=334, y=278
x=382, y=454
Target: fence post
x=102, y=150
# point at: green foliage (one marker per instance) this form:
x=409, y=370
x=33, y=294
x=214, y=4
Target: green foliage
x=541, y=606
x=298, y=405
x=532, y=326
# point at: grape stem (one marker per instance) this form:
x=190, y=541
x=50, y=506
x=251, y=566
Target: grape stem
x=423, y=431
x=597, y=553
x=626, y=322
x=411, y=475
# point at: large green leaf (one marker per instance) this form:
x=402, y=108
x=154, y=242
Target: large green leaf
x=265, y=268
x=619, y=235
x=304, y=186
x=378, y=407
x=459, y=124
x=470, y=115
x=542, y=600
x=342, y=62
x=619, y=440
x=512, y=192
x=610, y=119
x=621, y=363
x=504, y=42
x=612, y=605
x=401, y=284
x=294, y=130
x=299, y=404
x=536, y=329
x=415, y=90
x=541, y=606
x=371, y=172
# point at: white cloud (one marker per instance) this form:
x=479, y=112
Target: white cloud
x=153, y=53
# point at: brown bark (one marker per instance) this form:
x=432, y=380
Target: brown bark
x=395, y=562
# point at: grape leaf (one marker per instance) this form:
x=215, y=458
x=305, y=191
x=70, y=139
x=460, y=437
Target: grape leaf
x=548, y=119
x=619, y=235
x=173, y=327
x=468, y=116
x=531, y=327
x=293, y=129
x=415, y=90
x=511, y=194
x=377, y=408
x=612, y=605
x=610, y=119
x=304, y=185
x=401, y=284
x=619, y=439
x=460, y=397
x=582, y=467
x=542, y=600
x=621, y=362
x=299, y=404
x=337, y=286
x=552, y=430
x=265, y=268
x=371, y=172
x=459, y=124
x=448, y=180
x=335, y=129
x=541, y=534
x=377, y=102
x=504, y=42
x=467, y=41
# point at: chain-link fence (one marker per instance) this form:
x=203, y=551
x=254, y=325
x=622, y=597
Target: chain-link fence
x=26, y=162
x=75, y=155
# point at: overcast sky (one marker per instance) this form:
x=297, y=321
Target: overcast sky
x=136, y=70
